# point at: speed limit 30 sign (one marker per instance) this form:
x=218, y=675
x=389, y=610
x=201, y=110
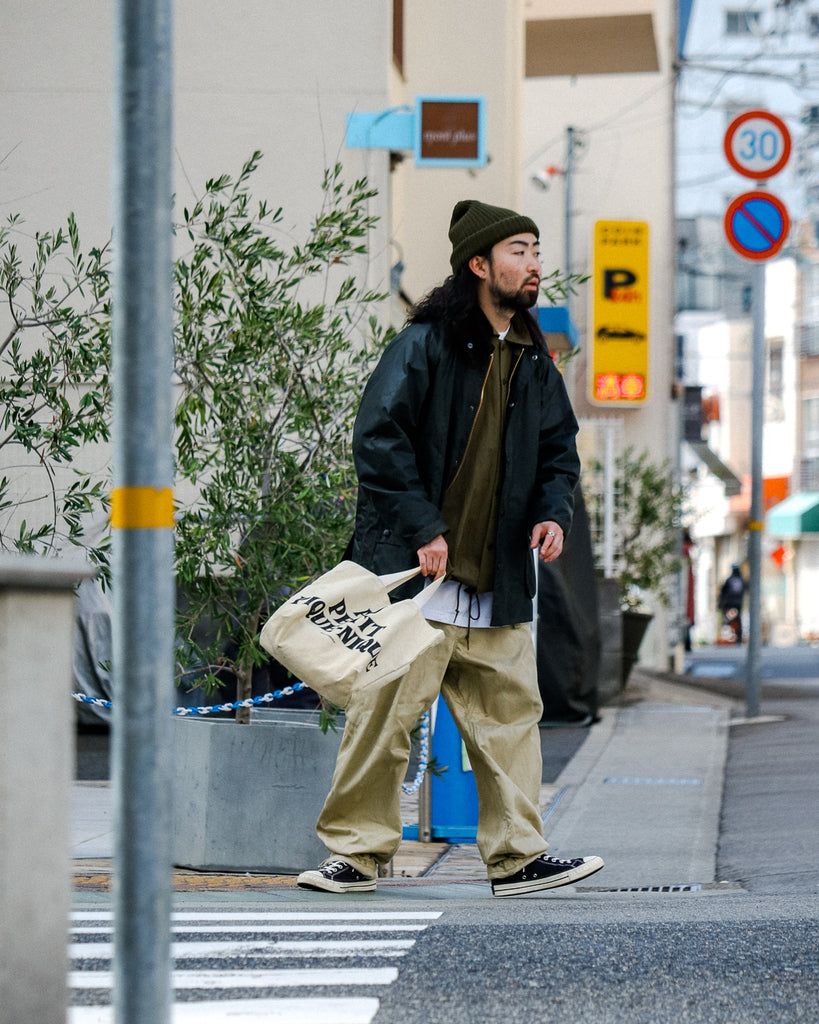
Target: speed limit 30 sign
x=757, y=144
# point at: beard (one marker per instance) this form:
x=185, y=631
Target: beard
x=513, y=301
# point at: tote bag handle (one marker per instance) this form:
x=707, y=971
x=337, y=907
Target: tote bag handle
x=395, y=579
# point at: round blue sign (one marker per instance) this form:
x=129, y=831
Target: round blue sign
x=757, y=225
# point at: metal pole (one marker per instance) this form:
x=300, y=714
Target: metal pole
x=568, y=200
x=608, y=499
x=142, y=510
x=753, y=662
x=567, y=212
x=425, y=809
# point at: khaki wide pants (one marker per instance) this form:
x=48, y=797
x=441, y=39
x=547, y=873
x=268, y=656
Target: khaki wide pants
x=489, y=681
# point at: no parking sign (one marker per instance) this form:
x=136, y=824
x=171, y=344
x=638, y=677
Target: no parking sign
x=757, y=225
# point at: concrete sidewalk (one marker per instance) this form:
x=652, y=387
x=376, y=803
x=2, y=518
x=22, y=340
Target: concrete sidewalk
x=643, y=791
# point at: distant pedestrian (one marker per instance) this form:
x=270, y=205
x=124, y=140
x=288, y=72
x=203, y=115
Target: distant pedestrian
x=731, y=597
x=688, y=562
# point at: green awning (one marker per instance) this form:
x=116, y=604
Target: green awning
x=794, y=516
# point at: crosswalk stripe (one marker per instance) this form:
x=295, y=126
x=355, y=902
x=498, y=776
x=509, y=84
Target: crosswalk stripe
x=250, y=1011
x=184, y=950
x=301, y=977
x=261, y=929
x=209, y=915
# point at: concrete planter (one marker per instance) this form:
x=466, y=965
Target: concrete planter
x=247, y=796
x=635, y=625
x=611, y=640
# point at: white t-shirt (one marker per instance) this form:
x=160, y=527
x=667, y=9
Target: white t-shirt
x=453, y=605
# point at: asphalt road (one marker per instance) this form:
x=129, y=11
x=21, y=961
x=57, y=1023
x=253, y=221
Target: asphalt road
x=643, y=959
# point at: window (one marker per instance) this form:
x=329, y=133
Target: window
x=808, y=335
x=741, y=23
x=810, y=424
x=813, y=25
x=775, y=375
x=398, y=35
x=747, y=299
x=809, y=475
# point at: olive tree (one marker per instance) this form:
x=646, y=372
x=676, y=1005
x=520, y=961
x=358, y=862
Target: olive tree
x=54, y=389
x=273, y=343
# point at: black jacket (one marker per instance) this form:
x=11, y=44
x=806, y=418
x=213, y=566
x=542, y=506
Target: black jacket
x=412, y=430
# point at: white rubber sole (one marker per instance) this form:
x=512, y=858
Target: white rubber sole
x=316, y=880
x=589, y=866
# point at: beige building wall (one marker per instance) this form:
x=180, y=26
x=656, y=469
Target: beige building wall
x=273, y=77
x=252, y=76
x=459, y=49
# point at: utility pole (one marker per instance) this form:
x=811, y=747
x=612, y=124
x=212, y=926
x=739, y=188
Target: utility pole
x=568, y=254
x=142, y=510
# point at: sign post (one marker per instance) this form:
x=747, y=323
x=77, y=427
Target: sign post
x=757, y=145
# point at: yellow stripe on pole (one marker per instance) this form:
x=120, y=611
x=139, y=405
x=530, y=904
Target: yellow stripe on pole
x=141, y=508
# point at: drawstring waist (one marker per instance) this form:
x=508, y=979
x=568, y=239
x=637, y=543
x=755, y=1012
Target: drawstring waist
x=474, y=600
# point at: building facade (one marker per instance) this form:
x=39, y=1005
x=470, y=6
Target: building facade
x=739, y=57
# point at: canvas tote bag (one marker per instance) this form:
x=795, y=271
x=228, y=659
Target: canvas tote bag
x=341, y=632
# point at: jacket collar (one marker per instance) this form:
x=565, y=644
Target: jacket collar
x=474, y=336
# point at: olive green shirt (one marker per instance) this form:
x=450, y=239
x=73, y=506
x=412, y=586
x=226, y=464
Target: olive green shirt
x=470, y=507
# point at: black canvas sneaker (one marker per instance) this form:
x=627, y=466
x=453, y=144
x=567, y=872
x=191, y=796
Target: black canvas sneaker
x=336, y=875
x=546, y=873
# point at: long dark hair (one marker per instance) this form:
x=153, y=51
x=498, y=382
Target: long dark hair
x=451, y=302
x=455, y=304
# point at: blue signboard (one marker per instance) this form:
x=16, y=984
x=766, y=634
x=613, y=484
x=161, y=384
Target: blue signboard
x=443, y=131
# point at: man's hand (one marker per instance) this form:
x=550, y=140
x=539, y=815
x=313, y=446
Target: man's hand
x=432, y=557
x=549, y=536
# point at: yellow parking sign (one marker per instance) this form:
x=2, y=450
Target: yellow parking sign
x=619, y=317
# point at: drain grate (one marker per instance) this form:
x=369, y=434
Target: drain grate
x=703, y=887
x=677, y=709
x=693, y=887
x=628, y=780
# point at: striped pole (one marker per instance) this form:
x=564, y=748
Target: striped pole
x=142, y=510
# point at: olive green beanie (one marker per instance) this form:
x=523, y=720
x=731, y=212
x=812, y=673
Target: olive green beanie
x=476, y=227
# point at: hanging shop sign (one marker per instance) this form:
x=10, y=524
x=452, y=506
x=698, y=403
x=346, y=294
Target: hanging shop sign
x=619, y=319
x=451, y=131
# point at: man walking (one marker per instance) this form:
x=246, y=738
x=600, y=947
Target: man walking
x=465, y=451
x=731, y=597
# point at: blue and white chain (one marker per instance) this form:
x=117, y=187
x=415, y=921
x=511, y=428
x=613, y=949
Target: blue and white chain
x=251, y=702
x=268, y=698
x=423, y=759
